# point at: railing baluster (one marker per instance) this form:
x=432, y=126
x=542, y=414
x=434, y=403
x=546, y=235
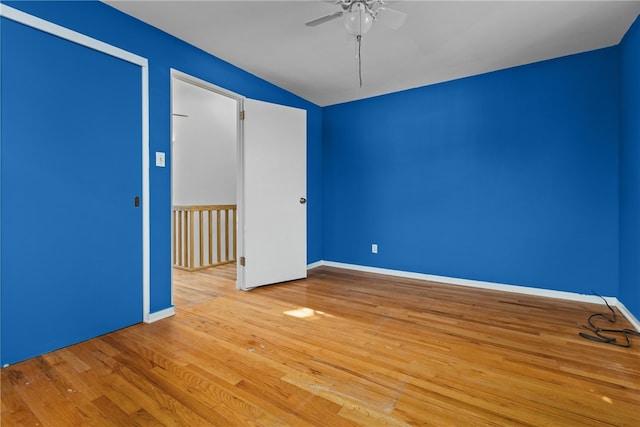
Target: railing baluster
x=210, y=223
x=226, y=234
x=218, y=235
x=174, y=235
x=235, y=239
x=190, y=254
x=201, y=238
x=180, y=258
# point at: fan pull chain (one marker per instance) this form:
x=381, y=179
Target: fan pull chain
x=359, y=45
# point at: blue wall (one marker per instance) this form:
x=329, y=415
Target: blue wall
x=508, y=177
x=629, y=292
x=163, y=51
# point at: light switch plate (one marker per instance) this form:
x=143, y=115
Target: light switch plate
x=160, y=159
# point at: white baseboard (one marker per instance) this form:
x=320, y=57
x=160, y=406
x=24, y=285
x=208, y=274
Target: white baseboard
x=571, y=296
x=315, y=264
x=159, y=315
x=626, y=313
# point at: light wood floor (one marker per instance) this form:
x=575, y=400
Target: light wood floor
x=338, y=349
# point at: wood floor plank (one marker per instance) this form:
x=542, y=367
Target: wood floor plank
x=340, y=348
x=15, y=410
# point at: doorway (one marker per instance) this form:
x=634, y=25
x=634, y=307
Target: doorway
x=269, y=239
x=204, y=171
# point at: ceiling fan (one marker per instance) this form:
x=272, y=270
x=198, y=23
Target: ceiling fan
x=368, y=10
x=359, y=16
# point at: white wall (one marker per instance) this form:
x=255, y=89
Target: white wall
x=203, y=146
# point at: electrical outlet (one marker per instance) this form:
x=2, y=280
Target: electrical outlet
x=374, y=248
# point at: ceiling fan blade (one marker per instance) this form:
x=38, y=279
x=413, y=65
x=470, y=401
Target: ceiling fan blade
x=391, y=18
x=323, y=19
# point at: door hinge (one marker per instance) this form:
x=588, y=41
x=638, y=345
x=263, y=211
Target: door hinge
x=242, y=115
x=242, y=260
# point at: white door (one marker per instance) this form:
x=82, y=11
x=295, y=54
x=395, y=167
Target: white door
x=272, y=199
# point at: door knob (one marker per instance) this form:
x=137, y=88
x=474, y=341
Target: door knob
x=303, y=200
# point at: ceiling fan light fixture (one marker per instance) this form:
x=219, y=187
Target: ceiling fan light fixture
x=358, y=21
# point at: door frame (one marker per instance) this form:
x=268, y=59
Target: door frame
x=239, y=223
x=86, y=41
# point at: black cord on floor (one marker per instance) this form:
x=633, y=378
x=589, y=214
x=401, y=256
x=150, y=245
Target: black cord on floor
x=599, y=337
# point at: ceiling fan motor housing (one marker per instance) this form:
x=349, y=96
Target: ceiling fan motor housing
x=359, y=20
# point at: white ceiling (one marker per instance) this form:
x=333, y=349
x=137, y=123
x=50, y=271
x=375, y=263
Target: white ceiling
x=440, y=41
